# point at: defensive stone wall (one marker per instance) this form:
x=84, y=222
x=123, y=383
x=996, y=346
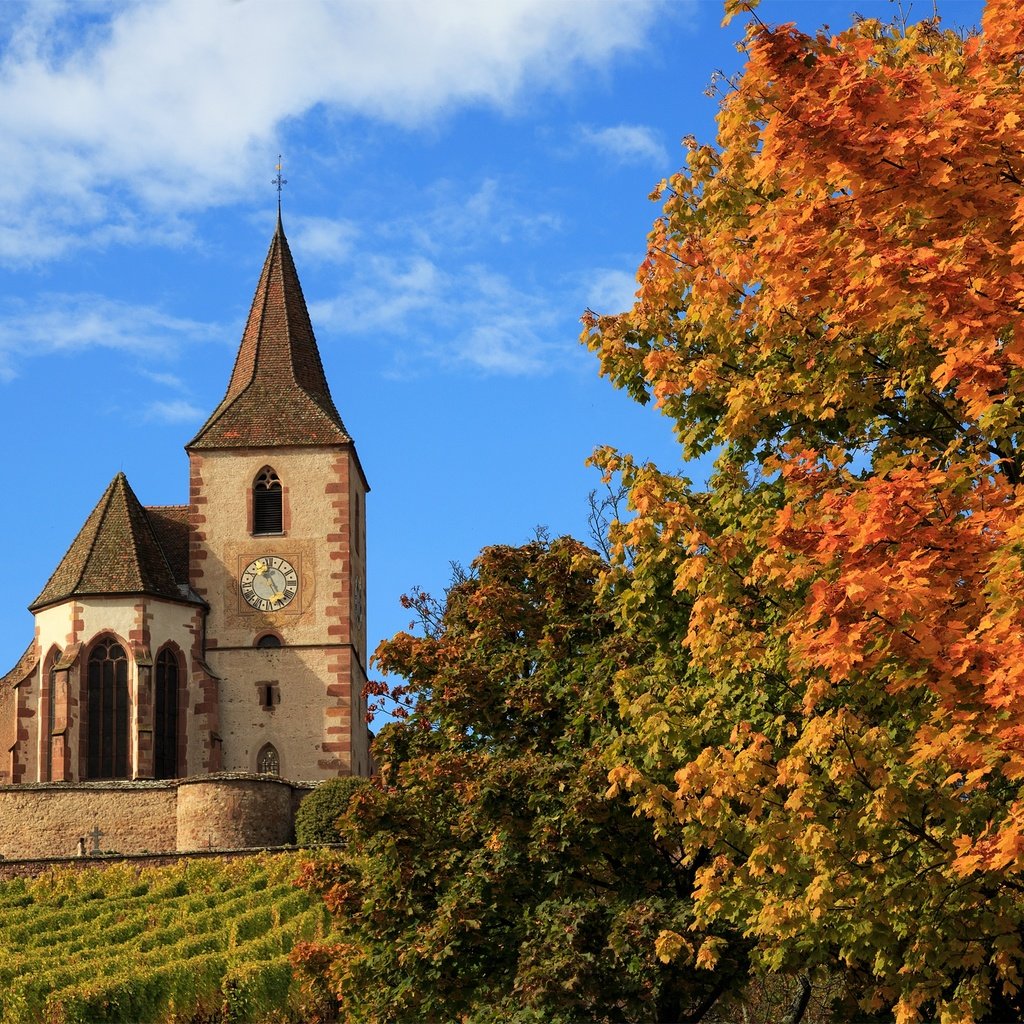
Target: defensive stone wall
x=234, y=813
x=223, y=811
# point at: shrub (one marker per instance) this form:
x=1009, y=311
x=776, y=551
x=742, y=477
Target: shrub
x=316, y=820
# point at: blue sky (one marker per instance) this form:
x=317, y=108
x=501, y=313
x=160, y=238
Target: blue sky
x=464, y=179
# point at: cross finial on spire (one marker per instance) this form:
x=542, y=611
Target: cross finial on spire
x=280, y=182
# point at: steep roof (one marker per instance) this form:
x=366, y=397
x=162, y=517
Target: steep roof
x=278, y=394
x=26, y=663
x=170, y=526
x=115, y=552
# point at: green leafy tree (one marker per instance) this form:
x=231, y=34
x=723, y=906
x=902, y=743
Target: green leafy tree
x=316, y=821
x=488, y=877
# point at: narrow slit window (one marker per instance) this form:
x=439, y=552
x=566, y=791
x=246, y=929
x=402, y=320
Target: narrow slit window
x=267, y=504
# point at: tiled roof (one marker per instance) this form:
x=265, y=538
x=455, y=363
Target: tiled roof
x=278, y=394
x=26, y=663
x=115, y=552
x=170, y=525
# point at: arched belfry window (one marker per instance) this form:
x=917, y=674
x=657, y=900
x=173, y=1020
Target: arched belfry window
x=267, y=761
x=108, y=734
x=267, y=516
x=165, y=717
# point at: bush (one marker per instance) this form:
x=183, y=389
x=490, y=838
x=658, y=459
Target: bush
x=316, y=820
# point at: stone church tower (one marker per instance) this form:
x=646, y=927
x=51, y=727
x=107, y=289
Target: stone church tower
x=278, y=550
x=225, y=635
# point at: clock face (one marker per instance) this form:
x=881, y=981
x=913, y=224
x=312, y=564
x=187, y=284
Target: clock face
x=269, y=583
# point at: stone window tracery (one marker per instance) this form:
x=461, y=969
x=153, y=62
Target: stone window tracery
x=267, y=502
x=267, y=761
x=51, y=714
x=107, y=741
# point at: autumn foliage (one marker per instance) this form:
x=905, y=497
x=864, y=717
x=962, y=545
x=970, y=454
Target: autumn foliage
x=832, y=304
x=779, y=740
x=488, y=877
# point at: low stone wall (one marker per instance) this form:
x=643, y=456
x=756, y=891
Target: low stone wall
x=228, y=810
x=233, y=813
x=48, y=819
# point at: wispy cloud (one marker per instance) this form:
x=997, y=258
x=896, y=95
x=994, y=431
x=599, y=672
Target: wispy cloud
x=626, y=143
x=119, y=115
x=611, y=291
x=177, y=411
x=323, y=238
x=492, y=213
x=70, y=323
x=467, y=316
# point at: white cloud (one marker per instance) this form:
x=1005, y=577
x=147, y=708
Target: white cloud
x=132, y=110
x=176, y=411
x=611, y=291
x=492, y=213
x=168, y=380
x=627, y=143
x=323, y=238
x=71, y=323
x=469, y=316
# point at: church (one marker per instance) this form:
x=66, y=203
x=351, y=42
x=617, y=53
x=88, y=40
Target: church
x=222, y=640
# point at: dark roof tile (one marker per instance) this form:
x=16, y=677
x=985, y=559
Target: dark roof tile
x=170, y=525
x=115, y=552
x=26, y=664
x=278, y=393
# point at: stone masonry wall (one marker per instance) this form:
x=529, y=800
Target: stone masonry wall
x=231, y=811
x=234, y=813
x=47, y=819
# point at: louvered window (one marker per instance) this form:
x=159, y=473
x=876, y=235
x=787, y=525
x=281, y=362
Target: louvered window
x=165, y=718
x=107, y=751
x=266, y=503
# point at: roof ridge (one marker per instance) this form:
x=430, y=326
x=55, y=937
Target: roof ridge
x=132, y=533
x=105, y=502
x=278, y=394
x=147, y=524
x=28, y=659
x=286, y=251
x=117, y=551
x=261, y=295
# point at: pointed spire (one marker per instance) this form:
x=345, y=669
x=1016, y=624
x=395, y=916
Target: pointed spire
x=278, y=394
x=115, y=552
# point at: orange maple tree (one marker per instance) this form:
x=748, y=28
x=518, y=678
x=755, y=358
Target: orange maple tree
x=832, y=302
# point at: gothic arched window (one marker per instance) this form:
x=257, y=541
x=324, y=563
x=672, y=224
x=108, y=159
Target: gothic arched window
x=267, y=505
x=107, y=703
x=51, y=715
x=267, y=761
x=165, y=717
